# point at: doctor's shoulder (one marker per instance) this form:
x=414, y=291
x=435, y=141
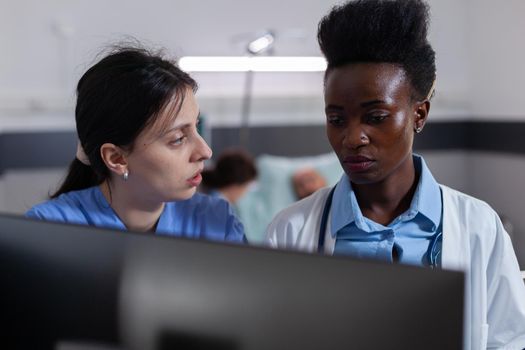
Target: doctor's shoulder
x=299, y=219
x=476, y=216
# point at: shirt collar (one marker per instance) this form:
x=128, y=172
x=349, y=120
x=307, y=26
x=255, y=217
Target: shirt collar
x=343, y=212
x=345, y=209
x=427, y=198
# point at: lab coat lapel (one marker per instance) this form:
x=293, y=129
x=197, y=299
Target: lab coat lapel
x=456, y=251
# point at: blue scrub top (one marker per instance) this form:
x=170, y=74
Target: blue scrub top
x=411, y=233
x=201, y=216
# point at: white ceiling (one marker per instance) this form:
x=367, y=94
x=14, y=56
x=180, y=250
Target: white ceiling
x=47, y=45
x=51, y=43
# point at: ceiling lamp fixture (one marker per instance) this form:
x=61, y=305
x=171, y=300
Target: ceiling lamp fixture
x=259, y=58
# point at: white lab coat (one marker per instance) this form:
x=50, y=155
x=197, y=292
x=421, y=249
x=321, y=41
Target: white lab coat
x=474, y=241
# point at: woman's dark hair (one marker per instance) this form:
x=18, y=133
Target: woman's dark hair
x=233, y=167
x=117, y=98
x=382, y=31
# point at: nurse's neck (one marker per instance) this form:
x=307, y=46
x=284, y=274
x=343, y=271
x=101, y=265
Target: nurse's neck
x=384, y=201
x=135, y=213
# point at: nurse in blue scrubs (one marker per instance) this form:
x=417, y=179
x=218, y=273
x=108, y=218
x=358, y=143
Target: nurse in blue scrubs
x=140, y=157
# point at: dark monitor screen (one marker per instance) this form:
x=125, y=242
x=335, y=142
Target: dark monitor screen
x=66, y=284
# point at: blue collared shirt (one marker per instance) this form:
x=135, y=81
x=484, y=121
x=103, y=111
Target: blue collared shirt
x=201, y=216
x=411, y=232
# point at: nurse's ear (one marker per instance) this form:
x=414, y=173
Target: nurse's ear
x=421, y=110
x=115, y=159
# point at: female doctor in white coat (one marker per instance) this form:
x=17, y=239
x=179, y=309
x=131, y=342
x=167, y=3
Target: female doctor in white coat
x=387, y=206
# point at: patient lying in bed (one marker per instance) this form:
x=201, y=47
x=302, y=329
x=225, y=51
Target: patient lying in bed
x=274, y=188
x=306, y=181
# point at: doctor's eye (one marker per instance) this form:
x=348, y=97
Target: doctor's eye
x=335, y=120
x=375, y=118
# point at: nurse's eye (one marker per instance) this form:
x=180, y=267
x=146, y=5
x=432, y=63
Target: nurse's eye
x=375, y=118
x=178, y=141
x=335, y=120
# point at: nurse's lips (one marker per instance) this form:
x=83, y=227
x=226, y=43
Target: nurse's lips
x=357, y=164
x=196, y=179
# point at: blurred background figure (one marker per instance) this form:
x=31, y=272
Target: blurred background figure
x=231, y=176
x=306, y=181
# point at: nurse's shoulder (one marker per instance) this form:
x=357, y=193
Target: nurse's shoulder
x=207, y=205
x=69, y=207
x=215, y=213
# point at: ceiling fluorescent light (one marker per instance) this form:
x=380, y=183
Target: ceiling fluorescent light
x=255, y=64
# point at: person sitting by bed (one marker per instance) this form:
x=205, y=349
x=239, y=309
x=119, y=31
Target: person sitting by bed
x=306, y=181
x=231, y=177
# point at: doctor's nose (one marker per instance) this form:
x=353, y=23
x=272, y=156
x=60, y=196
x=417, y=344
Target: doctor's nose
x=355, y=137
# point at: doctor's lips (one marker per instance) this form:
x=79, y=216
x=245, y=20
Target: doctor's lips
x=356, y=164
x=196, y=179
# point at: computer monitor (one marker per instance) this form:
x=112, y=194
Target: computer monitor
x=76, y=284
x=60, y=283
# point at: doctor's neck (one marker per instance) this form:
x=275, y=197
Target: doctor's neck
x=385, y=200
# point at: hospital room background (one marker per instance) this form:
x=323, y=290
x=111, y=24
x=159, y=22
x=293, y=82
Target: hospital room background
x=474, y=140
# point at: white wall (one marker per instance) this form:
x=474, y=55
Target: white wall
x=51, y=43
x=21, y=189
x=448, y=36
x=449, y=168
x=496, y=34
x=47, y=45
x=498, y=179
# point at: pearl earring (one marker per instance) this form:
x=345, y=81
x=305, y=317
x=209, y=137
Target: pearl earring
x=125, y=176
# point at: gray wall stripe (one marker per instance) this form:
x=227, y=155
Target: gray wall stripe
x=29, y=150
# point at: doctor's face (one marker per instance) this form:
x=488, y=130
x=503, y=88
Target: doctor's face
x=168, y=157
x=371, y=119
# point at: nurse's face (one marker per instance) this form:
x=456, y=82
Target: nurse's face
x=371, y=119
x=167, y=161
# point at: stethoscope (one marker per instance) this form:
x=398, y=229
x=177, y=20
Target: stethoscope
x=433, y=252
